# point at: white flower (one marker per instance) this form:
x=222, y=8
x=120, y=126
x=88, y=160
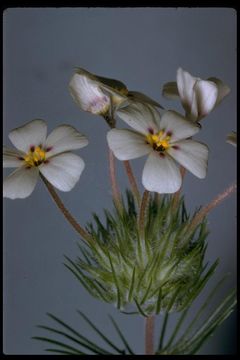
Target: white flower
x=36, y=153
x=199, y=97
x=164, y=140
x=100, y=95
x=232, y=138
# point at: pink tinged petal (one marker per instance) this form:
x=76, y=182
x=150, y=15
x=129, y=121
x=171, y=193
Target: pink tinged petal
x=12, y=158
x=33, y=133
x=21, y=183
x=185, y=84
x=140, y=117
x=88, y=95
x=205, y=96
x=170, y=90
x=176, y=125
x=127, y=144
x=116, y=97
x=63, y=171
x=192, y=155
x=64, y=138
x=223, y=89
x=161, y=174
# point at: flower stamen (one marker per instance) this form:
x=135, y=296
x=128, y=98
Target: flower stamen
x=159, y=141
x=35, y=157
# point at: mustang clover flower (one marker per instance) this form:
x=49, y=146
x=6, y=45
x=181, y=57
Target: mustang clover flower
x=198, y=97
x=36, y=153
x=165, y=140
x=100, y=95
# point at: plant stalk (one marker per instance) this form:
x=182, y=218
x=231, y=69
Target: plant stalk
x=115, y=190
x=65, y=212
x=206, y=209
x=132, y=182
x=149, y=335
x=176, y=196
x=141, y=219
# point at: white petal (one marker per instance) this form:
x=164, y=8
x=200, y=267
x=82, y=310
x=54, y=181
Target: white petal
x=223, y=89
x=63, y=171
x=11, y=158
x=116, y=98
x=170, y=90
x=64, y=138
x=127, y=144
x=140, y=117
x=192, y=155
x=33, y=133
x=21, y=183
x=115, y=89
x=185, y=83
x=88, y=95
x=205, y=96
x=178, y=126
x=161, y=174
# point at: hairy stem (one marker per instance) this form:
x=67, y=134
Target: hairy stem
x=132, y=181
x=149, y=335
x=206, y=209
x=115, y=190
x=141, y=219
x=64, y=211
x=176, y=196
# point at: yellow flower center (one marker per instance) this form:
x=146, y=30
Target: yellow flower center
x=159, y=141
x=35, y=157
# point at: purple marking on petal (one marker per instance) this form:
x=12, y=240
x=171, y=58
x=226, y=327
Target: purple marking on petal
x=32, y=148
x=20, y=158
x=46, y=161
x=151, y=131
x=169, y=133
x=175, y=147
x=49, y=148
x=161, y=155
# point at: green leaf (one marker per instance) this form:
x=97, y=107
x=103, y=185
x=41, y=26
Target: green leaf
x=141, y=311
x=164, y=326
x=73, y=331
x=132, y=285
x=100, y=333
x=116, y=283
x=158, y=304
x=88, y=345
x=51, y=341
x=121, y=336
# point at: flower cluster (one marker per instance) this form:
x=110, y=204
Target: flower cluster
x=148, y=255
x=166, y=136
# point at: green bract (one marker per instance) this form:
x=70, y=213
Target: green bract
x=163, y=270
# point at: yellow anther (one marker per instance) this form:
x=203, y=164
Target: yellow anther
x=35, y=157
x=159, y=141
x=155, y=138
x=164, y=143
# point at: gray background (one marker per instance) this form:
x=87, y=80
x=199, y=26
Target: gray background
x=143, y=47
